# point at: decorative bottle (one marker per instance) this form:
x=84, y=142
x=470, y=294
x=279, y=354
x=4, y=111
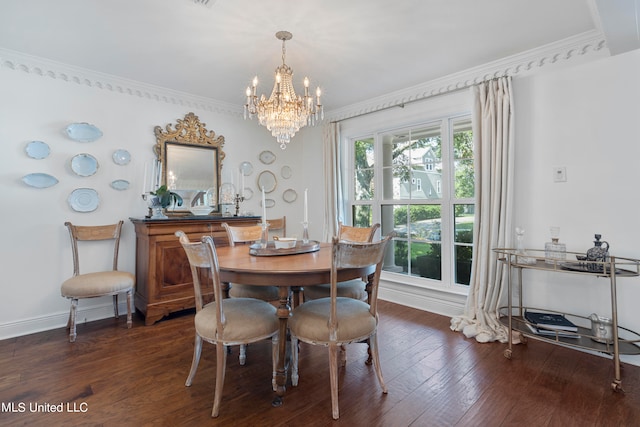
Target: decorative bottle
x=597, y=253
x=522, y=257
x=555, y=251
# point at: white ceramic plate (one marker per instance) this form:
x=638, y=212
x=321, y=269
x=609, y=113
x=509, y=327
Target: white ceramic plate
x=120, y=184
x=84, y=200
x=285, y=172
x=267, y=180
x=267, y=157
x=246, y=168
x=289, y=195
x=40, y=180
x=268, y=203
x=84, y=164
x=248, y=193
x=37, y=150
x=83, y=132
x=121, y=157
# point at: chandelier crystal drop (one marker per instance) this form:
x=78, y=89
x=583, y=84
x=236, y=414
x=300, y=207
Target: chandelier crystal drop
x=284, y=113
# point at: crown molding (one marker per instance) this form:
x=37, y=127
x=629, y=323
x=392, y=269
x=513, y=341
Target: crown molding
x=42, y=67
x=581, y=45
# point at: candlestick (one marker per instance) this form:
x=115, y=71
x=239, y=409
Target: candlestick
x=144, y=178
x=242, y=188
x=264, y=208
x=306, y=215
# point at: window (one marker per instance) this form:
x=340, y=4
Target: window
x=419, y=182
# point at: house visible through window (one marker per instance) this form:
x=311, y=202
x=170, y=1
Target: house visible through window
x=419, y=182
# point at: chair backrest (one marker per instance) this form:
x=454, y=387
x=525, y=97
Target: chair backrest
x=357, y=234
x=242, y=234
x=278, y=224
x=202, y=255
x=92, y=233
x=356, y=255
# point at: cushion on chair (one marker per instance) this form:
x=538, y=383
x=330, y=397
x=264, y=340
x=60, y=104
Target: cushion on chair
x=100, y=283
x=246, y=318
x=351, y=289
x=264, y=293
x=310, y=321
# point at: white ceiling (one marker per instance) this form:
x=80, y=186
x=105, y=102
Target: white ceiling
x=354, y=49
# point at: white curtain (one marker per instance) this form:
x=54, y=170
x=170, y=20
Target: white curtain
x=333, y=205
x=493, y=145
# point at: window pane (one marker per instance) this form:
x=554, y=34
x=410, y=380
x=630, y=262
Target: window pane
x=464, y=218
x=362, y=216
x=364, y=158
x=463, y=264
x=427, y=260
x=363, y=184
x=464, y=180
x=425, y=222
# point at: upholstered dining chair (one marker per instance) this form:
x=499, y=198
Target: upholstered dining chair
x=355, y=288
x=279, y=225
x=336, y=321
x=225, y=321
x=243, y=235
x=98, y=283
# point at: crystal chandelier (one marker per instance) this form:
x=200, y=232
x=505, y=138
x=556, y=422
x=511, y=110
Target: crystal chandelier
x=284, y=113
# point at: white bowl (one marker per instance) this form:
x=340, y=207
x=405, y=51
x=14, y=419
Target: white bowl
x=285, y=242
x=201, y=210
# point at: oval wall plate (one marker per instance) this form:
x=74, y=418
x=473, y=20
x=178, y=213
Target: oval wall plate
x=83, y=132
x=40, y=180
x=120, y=184
x=84, y=200
x=121, y=157
x=84, y=164
x=37, y=150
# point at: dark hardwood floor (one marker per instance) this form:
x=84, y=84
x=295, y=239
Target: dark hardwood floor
x=114, y=376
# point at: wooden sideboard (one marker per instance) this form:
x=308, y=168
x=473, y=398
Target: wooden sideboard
x=163, y=277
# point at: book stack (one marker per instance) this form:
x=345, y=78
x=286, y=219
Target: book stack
x=550, y=324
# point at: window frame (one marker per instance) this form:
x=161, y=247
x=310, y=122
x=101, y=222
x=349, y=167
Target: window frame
x=447, y=201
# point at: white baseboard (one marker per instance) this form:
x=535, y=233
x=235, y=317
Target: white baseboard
x=432, y=300
x=59, y=320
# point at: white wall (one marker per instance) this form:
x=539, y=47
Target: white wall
x=584, y=118
x=35, y=248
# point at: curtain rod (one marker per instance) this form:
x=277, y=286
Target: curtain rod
x=402, y=104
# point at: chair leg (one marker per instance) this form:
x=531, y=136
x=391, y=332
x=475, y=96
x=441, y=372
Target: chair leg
x=333, y=375
x=221, y=364
x=115, y=306
x=129, y=305
x=197, y=349
x=373, y=346
x=295, y=356
x=274, y=361
x=343, y=355
x=72, y=320
x=243, y=354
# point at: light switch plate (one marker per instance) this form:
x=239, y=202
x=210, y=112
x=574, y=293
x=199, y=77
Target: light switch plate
x=559, y=174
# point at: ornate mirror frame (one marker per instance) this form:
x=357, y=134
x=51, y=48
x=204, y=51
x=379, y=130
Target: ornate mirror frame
x=190, y=138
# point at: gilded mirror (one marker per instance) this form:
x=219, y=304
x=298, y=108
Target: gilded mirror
x=191, y=158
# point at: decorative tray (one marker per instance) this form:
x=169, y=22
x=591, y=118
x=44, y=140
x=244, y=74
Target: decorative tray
x=270, y=250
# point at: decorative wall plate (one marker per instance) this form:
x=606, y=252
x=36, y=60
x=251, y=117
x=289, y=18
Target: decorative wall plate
x=84, y=164
x=289, y=195
x=246, y=168
x=267, y=180
x=267, y=157
x=83, y=132
x=285, y=172
x=248, y=193
x=84, y=200
x=268, y=203
x=37, y=150
x=121, y=157
x=40, y=180
x=120, y=184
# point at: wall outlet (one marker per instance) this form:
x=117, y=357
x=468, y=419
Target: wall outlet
x=559, y=174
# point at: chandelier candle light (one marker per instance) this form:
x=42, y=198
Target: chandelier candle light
x=284, y=113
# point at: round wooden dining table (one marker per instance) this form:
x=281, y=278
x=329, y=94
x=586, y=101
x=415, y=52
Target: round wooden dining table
x=287, y=272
